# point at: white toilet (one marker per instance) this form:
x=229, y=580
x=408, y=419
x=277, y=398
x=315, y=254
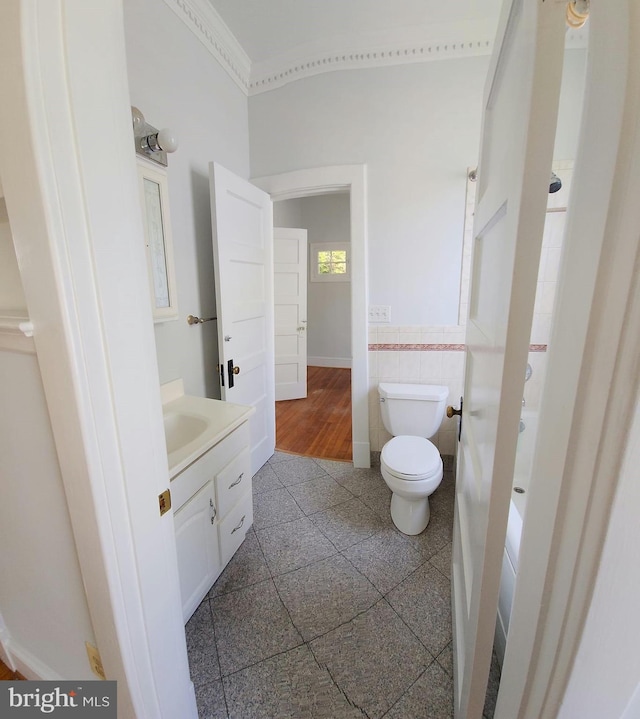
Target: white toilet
x=411, y=465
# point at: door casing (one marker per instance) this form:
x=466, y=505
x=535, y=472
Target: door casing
x=323, y=181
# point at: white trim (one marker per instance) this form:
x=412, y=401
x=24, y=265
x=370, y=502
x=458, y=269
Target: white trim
x=16, y=334
x=205, y=23
x=282, y=70
x=325, y=180
x=5, y=641
x=340, y=362
x=401, y=47
x=591, y=383
x=158, y=175
x=30, y=666
x=77, y=228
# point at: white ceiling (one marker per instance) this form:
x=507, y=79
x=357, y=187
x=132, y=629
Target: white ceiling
x=265, y=44
x=271, y=29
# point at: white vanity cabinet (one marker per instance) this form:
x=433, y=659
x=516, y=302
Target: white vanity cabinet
x=198, y=547
x=213, y=509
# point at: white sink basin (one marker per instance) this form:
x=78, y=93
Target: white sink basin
x=192, y=425
x=181, y=429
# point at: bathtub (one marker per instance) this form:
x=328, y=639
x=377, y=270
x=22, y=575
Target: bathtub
x=521, y=478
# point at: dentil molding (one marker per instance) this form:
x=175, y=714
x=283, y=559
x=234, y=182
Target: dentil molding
x=254, y=78
x=278, y=72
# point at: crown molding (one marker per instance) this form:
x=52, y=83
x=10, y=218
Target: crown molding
x=441, y=42
x=270, y=75
x=205, y=23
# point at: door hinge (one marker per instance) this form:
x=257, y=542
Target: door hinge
x=95, y=662
x=164, y=500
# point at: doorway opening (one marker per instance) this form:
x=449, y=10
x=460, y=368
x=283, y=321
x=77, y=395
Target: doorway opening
x=312, y=294
x=349, y=180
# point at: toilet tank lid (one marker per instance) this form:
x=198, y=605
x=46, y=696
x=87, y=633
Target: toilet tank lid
x=433, y=392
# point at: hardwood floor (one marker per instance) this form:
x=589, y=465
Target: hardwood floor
x=6, y=675
x=320, y=425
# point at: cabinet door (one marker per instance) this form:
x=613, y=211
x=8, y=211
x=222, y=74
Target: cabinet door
x=197, y=546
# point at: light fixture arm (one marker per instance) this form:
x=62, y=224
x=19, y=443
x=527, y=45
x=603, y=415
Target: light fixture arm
x=150, y=142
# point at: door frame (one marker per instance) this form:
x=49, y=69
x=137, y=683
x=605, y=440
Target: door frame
x=591, y=384
x=324, y=181
x=76, y=219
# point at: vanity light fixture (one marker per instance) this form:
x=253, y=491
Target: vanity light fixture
x=577, y=13
x=152, y=143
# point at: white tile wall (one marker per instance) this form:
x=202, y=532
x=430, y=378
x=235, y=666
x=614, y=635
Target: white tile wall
x=422, y=366
x=447, y=367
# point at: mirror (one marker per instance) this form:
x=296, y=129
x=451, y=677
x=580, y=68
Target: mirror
x=154, y=196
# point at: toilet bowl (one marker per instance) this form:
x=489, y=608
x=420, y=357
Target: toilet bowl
x=410, y=464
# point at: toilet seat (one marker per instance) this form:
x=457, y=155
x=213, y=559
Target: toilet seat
x=411, y=458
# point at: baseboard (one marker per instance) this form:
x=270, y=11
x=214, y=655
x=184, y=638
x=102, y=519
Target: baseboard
x=339, y=362
x=5, y=641
x=361, y=454
x=30, y=666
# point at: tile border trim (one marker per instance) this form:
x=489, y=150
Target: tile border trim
x=398, y=347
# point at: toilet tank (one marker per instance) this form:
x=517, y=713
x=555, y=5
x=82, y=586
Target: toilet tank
x=414, y=409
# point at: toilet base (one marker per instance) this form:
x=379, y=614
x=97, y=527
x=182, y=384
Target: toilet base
x=410, y=516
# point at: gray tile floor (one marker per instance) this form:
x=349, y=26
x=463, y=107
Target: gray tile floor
x=327, y=610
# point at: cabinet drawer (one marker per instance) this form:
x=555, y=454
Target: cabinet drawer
x=233, y=481
x=207, y=466
x=234, y=526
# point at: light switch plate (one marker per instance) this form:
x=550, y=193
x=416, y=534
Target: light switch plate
x=380, y=313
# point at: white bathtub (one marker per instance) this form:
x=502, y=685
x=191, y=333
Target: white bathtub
x=521, y=478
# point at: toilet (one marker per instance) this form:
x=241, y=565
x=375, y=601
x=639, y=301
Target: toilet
x=411, y=465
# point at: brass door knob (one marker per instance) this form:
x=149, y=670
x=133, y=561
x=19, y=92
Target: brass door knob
x=236, y=370
x=451, y=412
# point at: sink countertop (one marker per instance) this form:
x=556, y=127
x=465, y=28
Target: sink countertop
x=221, y=418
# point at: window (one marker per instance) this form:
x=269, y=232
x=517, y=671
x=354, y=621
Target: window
x=330, y=262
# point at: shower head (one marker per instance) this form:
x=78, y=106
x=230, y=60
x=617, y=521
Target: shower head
x=555, y=184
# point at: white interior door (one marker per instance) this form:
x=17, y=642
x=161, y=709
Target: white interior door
x=290, y=300
x=242, y=224
x=520, y=112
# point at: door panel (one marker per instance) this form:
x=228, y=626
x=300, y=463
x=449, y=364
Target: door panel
x=521, y=102
x=290, y=297
x=243, y=266
x=197, y=547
